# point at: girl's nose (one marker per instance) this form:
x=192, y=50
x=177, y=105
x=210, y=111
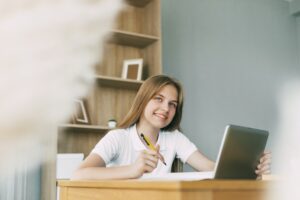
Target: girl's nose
x=165, y=106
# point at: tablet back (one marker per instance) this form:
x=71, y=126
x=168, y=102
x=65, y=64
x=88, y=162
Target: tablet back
x=239, y=153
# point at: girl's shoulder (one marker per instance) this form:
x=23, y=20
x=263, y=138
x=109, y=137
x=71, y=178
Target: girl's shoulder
x=118, y=133
x=171, y=134
x=118, y=130
x=173, y=139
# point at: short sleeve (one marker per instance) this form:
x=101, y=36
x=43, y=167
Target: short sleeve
x=108, y=147
x=184, y=147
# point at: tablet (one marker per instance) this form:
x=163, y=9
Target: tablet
x=239, y=153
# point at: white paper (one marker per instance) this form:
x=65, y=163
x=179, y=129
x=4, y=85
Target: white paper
x=182, y=176
x=66, y=164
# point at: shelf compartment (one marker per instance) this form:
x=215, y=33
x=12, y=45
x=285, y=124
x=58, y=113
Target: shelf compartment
x=119, y=82
x=83, y=128
x=132, y=39
x=138, y=3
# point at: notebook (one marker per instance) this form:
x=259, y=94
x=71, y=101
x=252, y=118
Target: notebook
x=238, y=157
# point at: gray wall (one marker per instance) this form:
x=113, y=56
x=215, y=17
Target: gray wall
x=232, y=56
x=298, y=29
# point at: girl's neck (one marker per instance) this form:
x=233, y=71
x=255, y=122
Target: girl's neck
x=148, y=131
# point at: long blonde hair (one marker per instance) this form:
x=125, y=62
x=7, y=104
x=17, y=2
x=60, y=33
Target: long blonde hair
x=146, y=92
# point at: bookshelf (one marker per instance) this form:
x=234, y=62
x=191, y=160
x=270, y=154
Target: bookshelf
x=137, y=35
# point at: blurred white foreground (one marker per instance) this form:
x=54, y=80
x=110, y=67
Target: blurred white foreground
x=47, y=54
x=288, y=144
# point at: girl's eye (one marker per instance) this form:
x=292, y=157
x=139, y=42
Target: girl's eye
x=159, y=99
x=174, y=105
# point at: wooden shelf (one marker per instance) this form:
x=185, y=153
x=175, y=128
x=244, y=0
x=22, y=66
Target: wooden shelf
x=137, y=34
x=82, y=127
x=138, y=3
x=119, y=82
x=132, y=39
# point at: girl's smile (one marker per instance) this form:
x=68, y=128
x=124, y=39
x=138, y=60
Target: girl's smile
x=162, y=116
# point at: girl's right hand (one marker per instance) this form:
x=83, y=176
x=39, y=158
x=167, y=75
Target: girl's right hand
x=146, y=162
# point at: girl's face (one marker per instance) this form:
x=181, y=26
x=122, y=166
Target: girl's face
x=161, y=109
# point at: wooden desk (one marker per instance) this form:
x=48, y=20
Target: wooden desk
x=171, y=190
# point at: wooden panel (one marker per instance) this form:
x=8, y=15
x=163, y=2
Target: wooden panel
x=119, y=82
x=77, y=141
x=83, y=128
x=113, y=58
x=63, y=193
x=131, y=19
x=91, y=97
x=131, y=39
x=101, y=194
x=167, y=190
x=139, y=3
x=113, y=67
x=152, y=61
x=201, y=195
x=140, y=19
x=117, y=103
x=153, y=52
x=152, y=23
x=236, y=194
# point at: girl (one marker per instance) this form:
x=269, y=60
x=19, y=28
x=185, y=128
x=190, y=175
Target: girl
x=155, y=114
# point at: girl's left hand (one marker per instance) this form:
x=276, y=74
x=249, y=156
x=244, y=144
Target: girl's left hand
x=264, y=166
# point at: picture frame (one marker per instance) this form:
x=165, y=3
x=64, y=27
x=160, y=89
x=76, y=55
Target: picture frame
x=80, y=115
x=132, y=69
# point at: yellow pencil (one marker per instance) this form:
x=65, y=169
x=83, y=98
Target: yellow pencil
x=150, y=145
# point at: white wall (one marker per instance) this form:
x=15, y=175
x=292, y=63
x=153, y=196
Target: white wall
x=232, y=57
x=23, y=185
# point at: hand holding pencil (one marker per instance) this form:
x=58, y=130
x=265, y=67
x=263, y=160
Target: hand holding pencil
x=147, y=160
x=151, y=146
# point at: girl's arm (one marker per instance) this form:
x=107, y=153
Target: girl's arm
x=200, y=162
x=93, y=167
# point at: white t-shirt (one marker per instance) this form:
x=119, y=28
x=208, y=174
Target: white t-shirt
x=122, y=147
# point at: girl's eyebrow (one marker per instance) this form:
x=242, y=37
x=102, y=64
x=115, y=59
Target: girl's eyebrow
x=174, y=101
